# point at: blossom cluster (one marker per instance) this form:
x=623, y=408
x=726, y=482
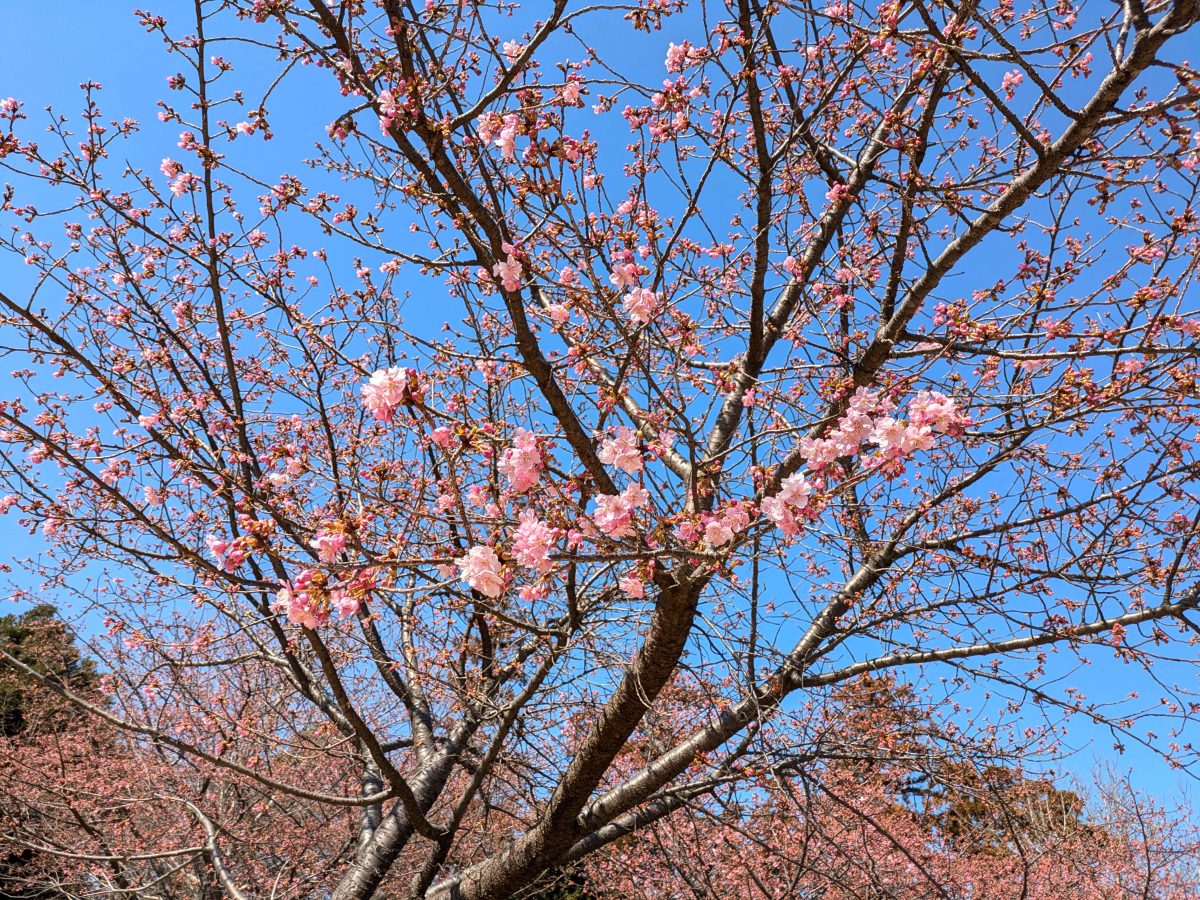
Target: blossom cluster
x=533, y=542
x=388, y=390
x=308, y=598
x=614, y=512
x=791, y=504
x=231, y=554
x=867, y=418
x=522, y=463
x=621, y=450
x=482, y=569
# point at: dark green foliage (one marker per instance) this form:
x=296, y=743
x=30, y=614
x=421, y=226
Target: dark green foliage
x=41, y=640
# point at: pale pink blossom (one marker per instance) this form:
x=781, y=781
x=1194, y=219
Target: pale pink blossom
x=614, y=513
x=442, y=437
x=304, y=600
x=513, y=50
x=642, y=304
x=229, y=554
x=507, y=138
x=896, y=438
x=533, y=541
x=482, y=570
x=388, y=108
x=184, y=183
x=7, y=502
x=679, y=55
x=388, y=390
x=818, y=453
x=621, y=450
x=328, y=545
x=522, y=463
x=1011, y=81
x=938, y=411
x=793, y=502
x=509, y=273
x=625, y=274
x=343, y=602
x=633, y=585
x=726, y=524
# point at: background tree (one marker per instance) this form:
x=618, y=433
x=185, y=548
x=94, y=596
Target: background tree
x=41, y=640
x=859, y=345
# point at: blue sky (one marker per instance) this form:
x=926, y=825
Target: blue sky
x=47, y=49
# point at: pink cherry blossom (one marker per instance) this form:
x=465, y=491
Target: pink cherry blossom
x=642, y=304
x=614, y=513
x=621, y=450
x=509, y=273
x=522, y=463
x=184, y=183
x=388, y=390
x=724, y=526
x=304, y=600
x=792, y=503
x=633, y=585
x=328, y=544
x=937, y=411
x=533, y=541
x=625, y=274
x=482, y=570
x=229, y=554
x=343, y=602
x=507, y=139
x=680, y=55
x=896, y=438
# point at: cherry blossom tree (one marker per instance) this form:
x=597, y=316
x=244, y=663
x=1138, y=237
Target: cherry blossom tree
x=618, y=386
